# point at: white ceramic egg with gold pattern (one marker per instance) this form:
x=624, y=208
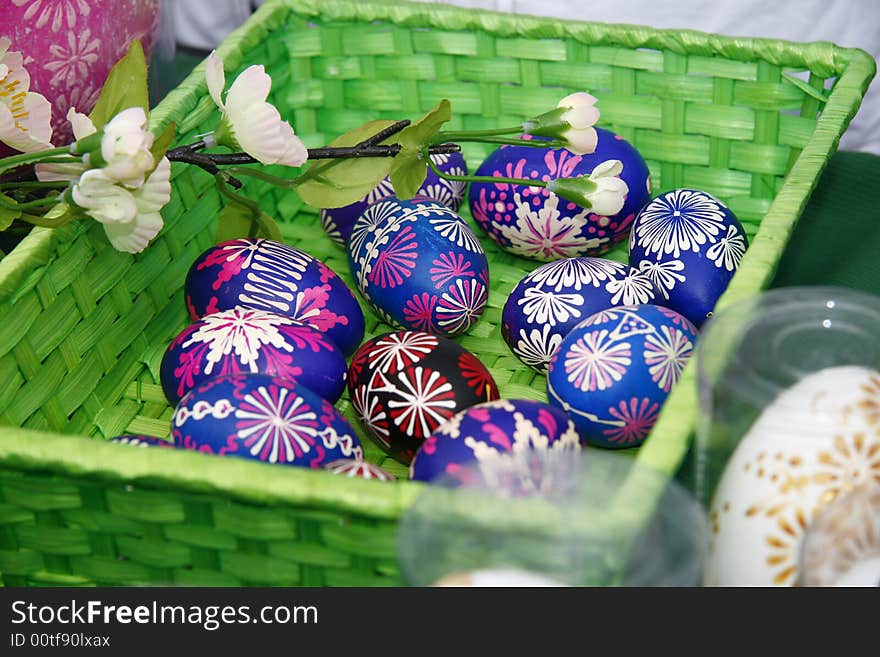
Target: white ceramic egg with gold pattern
x=817, y=440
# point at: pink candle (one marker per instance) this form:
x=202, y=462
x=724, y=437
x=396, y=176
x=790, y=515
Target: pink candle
x=69, y=47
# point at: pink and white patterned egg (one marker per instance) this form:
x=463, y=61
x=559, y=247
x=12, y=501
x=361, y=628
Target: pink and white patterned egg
x=69, y=47
x=273, y=276
x=358, y=468
x=246, y=340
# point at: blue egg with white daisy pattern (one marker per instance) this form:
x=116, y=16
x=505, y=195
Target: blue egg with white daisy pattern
x=548, y=302
x=419, y=265
x=263, y=418
x=689, y=244
x=613, y=371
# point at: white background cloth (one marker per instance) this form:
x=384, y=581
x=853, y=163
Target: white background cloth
x=852, y=23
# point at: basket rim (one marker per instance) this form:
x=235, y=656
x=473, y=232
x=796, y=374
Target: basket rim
x=79, y=456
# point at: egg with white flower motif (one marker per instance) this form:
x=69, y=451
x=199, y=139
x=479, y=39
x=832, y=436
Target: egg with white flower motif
x=547, y=303
x=138, y=440
x=338, y=222
x=535, y=223
x=613, y=371
x=689, y=244
x=268, y=275
x=263, y=418
x=419, y=265
x=256, y=341
x=404, y=384
x=490, y=440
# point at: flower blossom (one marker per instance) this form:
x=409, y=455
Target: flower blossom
x=571, y=122
x=24, y=115
x=248, y=122
x=603, y=191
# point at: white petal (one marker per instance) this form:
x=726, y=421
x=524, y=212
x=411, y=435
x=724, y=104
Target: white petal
x=577, y=99
x=607, y=168
x=581, y=142
x=12, y=135
x=251, y=87
x=134, y=236
x=39, y=120
x=4, y=70
x=215, y=77
x=5, y=42
x=257, y=130
x=102, y=199
x=50, y=172
x=156, y=192
x=295, y=152
x=581, y=117
x=80, y=123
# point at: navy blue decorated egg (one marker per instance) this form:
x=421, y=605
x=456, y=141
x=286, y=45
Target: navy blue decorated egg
x=480, y=439
x=404, y=384
x=255, y=341
x=690, y=244
x=547, y=303
x=138, y=440
x=264, y=418
x=419, y=265
x=535, y=223
x=613, y=371
x=269, y=275
x=338, y=222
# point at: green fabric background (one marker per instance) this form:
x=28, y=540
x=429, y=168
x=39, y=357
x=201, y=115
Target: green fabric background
x=837, y=241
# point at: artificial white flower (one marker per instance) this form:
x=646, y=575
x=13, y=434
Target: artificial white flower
x=581, y=115
x=134, y=236
x=24, y=115
x=248, y=121
x=131, y=218
x=603, y=191
x=125, y=147
x=611, y=190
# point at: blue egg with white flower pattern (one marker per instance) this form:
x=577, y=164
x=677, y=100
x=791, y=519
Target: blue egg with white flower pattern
x=272, y=276
x=535, y=223
x=547, y=303
x=689, y=244
x=419, y=265
x=483, y=439
x=263, y=418
x=338, y=222
x=613, y=371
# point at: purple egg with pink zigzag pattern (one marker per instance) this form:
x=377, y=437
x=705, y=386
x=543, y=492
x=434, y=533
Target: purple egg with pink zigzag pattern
x=272, y=276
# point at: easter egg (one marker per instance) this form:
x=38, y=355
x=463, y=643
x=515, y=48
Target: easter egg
x=338, y=222
x=485, y=434
x=356, y=468
x=535, y=223
x=689, y=244
x=613, y=371
x=547, y=303
x=255, y=341
x=268, y=275
x=263, y=418
x=69, y=47
x=419, y=265
x=137, y=440
x=404, y=384
x=816, y=441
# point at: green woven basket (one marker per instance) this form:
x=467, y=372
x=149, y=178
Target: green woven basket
x=84, y=327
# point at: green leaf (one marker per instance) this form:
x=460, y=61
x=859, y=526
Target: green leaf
x=126, y=86
x=163, y=141
x=335, y=183
x=239, y=220
x=7, y=215
x=408, y=169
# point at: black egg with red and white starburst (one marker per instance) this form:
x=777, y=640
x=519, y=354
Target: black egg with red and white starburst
x=404, y=384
